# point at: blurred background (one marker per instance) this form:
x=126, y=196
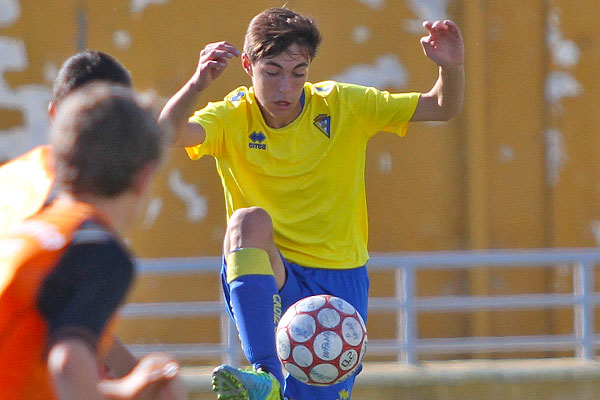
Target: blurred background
x=519, y=169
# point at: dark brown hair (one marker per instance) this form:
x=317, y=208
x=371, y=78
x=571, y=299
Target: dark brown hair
x=102, y=136
x=274, y=30
x=85, y=67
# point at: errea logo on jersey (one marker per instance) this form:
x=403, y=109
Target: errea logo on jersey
x=257, y=141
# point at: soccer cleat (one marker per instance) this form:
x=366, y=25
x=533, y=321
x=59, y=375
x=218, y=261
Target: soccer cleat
x=235, y=384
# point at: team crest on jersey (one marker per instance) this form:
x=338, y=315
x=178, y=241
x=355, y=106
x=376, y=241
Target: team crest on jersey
x=323, y=122
x=257, y=139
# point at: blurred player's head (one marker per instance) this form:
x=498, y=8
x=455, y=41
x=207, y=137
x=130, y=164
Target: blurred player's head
x=279, y=47
x=106, y=142
x=83, y=68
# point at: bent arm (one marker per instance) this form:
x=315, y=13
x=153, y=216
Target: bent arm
x=213, y=61
x=119, y=359
x=176, y=113
x=74, y=370
x=155, y=377
x=445, y=46
x=445, y=100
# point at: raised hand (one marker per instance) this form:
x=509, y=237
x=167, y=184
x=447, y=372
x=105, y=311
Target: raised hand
x=212, y=62
x=444, y=44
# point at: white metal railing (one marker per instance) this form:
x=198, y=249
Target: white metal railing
x=407, y=346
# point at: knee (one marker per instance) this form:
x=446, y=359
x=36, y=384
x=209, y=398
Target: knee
x=251, y=230
x=251, y=219
x=250, y=224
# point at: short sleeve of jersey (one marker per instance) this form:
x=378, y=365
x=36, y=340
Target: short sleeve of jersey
x=85, y=288
x=379, y=110
x=216, y=118
x=209, y=118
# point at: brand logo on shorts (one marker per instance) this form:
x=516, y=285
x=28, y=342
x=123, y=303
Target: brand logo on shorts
x=257, y=139
x=323, y=122
x=276, y=309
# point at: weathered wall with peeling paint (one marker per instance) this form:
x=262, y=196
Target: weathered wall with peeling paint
x=520, y=168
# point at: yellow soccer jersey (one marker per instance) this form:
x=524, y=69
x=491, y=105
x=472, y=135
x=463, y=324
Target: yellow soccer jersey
x=308, y=175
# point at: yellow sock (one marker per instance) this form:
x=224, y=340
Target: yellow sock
x=248, y=261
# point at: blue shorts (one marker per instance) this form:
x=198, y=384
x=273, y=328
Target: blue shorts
x=351, y=285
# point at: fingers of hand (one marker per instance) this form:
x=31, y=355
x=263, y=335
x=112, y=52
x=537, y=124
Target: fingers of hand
x=219, y=57
x=451, y=25
x=439, y=26
x=229, y=47
x=427, y=44
x=158, y=361
x=169, y=370
x=217, y=65
x=166, y=371
x=220, y=49
x=215, y=55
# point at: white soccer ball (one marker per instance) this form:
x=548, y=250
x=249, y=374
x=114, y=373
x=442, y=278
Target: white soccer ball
x=321, y=340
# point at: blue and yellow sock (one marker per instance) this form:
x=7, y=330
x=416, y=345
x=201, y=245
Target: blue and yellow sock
x=254, y=296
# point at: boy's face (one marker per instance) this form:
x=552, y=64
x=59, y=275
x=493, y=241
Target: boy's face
x=278, y=83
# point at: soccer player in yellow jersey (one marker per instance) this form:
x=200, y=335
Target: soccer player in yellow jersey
x=291, y=156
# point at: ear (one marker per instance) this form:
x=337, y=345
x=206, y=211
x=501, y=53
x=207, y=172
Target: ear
x=51, y=110
x=143, y=179
x=247, y=64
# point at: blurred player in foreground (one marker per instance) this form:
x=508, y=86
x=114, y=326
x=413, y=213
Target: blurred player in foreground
x=291, y=156
x=26, y=182
x=65, y=270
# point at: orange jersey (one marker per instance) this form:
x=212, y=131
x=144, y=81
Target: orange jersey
x=25, y=183
x=29, y=257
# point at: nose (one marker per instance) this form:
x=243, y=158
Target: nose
x=285, y=84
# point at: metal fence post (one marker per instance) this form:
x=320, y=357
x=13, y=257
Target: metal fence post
x=405, y=287
x=229, y=338
x=583, y=286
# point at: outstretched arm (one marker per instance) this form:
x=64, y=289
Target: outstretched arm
x=119, y=359
x=73, y=368
x=444, y=45
x=212, y=63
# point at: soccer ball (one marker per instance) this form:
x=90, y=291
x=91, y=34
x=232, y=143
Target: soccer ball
x=321, y=340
